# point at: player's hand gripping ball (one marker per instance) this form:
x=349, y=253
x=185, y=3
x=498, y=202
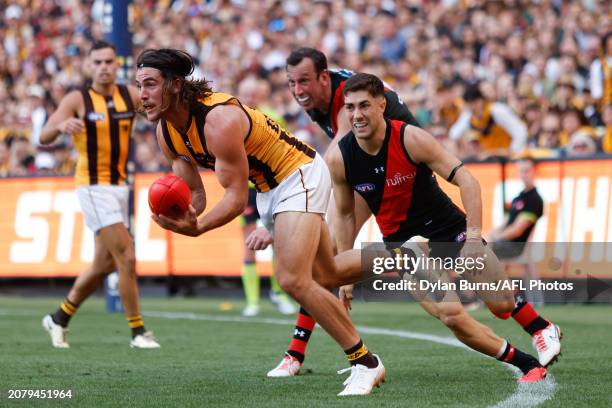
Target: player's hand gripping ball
x=169, y=196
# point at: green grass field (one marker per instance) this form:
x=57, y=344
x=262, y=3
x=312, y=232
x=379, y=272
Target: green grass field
x=207, y=359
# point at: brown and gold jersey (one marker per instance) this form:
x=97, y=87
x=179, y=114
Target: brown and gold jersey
x=491, y=135
x=272, y=152
x=103, y=147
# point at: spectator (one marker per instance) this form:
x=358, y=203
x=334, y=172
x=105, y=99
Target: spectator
x=551, y=54
x=601, y=72
x=548, y=136
x=581, y=145
x=499, y=130
x=573, y=121
x=4, y=159
x=606, y=138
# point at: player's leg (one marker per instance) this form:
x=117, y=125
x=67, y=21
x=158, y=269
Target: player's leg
x=346, y=269
x=85, y=284
x=283, y=303
x=111, y=205
x=298, y=246
x=250, y=279
x=545, y=335
x=480, y=337
x=296, y=243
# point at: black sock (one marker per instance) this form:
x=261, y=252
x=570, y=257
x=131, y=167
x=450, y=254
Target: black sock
x=64, y=313
x=138, y=330
x=527, y=317
x=359, y=354
x=525, y=362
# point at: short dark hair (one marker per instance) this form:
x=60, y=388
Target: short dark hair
x=318, y=59
x=364, y=82
x=472, y=93
x=100, y=44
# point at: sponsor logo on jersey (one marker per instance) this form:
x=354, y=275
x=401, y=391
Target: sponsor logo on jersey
x=365, y=187
x=122, y=115
x=398, y=179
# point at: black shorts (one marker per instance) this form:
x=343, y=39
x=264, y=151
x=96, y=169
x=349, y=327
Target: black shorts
x=250, y=214
x=446, y=243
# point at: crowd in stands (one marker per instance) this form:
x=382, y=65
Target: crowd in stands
x=485, y=77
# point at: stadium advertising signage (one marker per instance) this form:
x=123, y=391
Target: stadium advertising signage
x=43, y=233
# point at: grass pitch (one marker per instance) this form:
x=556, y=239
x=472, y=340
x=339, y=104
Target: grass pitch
x=222, y=363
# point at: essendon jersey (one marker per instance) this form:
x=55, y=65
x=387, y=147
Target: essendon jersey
x=396, y=108
x=404, y=196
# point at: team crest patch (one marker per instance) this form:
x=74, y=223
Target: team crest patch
x=365, y=187
x=461, y=237
x=520, y=205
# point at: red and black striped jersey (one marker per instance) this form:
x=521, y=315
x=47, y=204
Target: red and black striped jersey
x=404, y=196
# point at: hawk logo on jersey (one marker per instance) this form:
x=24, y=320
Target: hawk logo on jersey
x=95, y=116
x=365, y=187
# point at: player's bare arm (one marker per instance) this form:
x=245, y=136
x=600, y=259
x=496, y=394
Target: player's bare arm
x=344, y=126
x=63, y=120
x=423, y=148
x=225, y=129
x=188, y=171
x=344, y=222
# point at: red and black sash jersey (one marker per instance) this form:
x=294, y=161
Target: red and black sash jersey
x=404, y=196
x=396, y=108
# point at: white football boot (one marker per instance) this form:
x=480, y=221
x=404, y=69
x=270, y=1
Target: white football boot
x=547, y=342
x=57, y=332
x=288, y=367
x=144, y=341
x=363, y=379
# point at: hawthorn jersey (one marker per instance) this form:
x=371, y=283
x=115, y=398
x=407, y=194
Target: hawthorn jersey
x=396, y=109
x=272, y=152
x=404, y=196
x=490, y=134
x=103, y=147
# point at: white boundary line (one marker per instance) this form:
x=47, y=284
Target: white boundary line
x=525, y=395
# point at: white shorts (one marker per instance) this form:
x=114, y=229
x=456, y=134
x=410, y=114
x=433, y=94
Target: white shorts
x=306, y=190
x=104, y=205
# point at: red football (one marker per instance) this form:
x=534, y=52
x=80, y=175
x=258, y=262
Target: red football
x=170, y=196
